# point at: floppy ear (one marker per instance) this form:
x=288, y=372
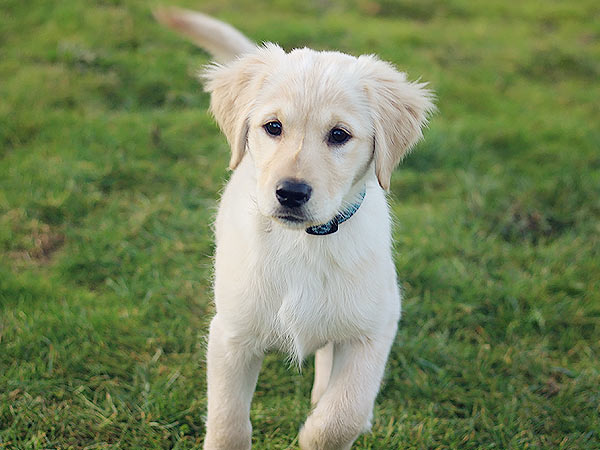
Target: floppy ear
x=400, y=110
x=233, y=88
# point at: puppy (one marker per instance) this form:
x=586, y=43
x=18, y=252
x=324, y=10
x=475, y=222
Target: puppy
x=303, y=258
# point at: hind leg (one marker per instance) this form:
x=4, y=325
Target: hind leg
x=323, y=365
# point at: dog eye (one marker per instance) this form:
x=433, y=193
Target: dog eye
x=273, y=128
x=337, y=136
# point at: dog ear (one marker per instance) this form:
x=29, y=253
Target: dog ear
x=233, y=88
x=400, y=110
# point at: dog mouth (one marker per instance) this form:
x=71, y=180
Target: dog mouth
x=292, y=219
x=295, y=218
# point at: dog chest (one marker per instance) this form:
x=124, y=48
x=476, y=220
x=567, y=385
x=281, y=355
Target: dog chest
x=318, y=296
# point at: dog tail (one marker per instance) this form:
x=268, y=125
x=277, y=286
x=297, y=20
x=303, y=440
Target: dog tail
x=221, y=40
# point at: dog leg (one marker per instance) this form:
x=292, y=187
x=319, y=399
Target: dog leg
x=345, y=408
x=323, y=364
x=232, y=371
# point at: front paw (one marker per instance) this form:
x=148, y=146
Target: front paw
x=232, y=437
x=328, y=433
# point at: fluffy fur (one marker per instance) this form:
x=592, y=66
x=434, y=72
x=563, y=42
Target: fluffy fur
x=277, y=287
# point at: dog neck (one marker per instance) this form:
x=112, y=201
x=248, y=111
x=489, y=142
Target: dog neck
x=333, y=225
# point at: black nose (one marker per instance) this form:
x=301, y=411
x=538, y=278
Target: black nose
x=293, y=193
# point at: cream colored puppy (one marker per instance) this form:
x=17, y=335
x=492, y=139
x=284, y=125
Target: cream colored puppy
x=303, y=259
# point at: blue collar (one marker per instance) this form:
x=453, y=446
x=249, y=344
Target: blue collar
x=332, y=226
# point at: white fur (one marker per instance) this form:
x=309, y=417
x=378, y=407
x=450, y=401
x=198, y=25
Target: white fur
x=277, y=287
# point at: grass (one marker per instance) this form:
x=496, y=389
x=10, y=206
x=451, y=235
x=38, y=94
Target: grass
x=109, y=171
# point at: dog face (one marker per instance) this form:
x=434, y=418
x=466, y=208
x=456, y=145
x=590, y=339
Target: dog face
x=313, y=123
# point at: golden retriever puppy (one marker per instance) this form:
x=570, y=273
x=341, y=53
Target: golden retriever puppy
x=303, y=258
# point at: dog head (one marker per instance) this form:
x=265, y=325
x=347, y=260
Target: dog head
x=315, y=124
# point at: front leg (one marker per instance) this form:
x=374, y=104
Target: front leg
x=345, y=408
x=232, y=371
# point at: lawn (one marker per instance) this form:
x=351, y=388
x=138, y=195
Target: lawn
x=110, y=167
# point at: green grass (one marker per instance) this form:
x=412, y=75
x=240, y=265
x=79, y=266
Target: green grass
x=109, y=171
